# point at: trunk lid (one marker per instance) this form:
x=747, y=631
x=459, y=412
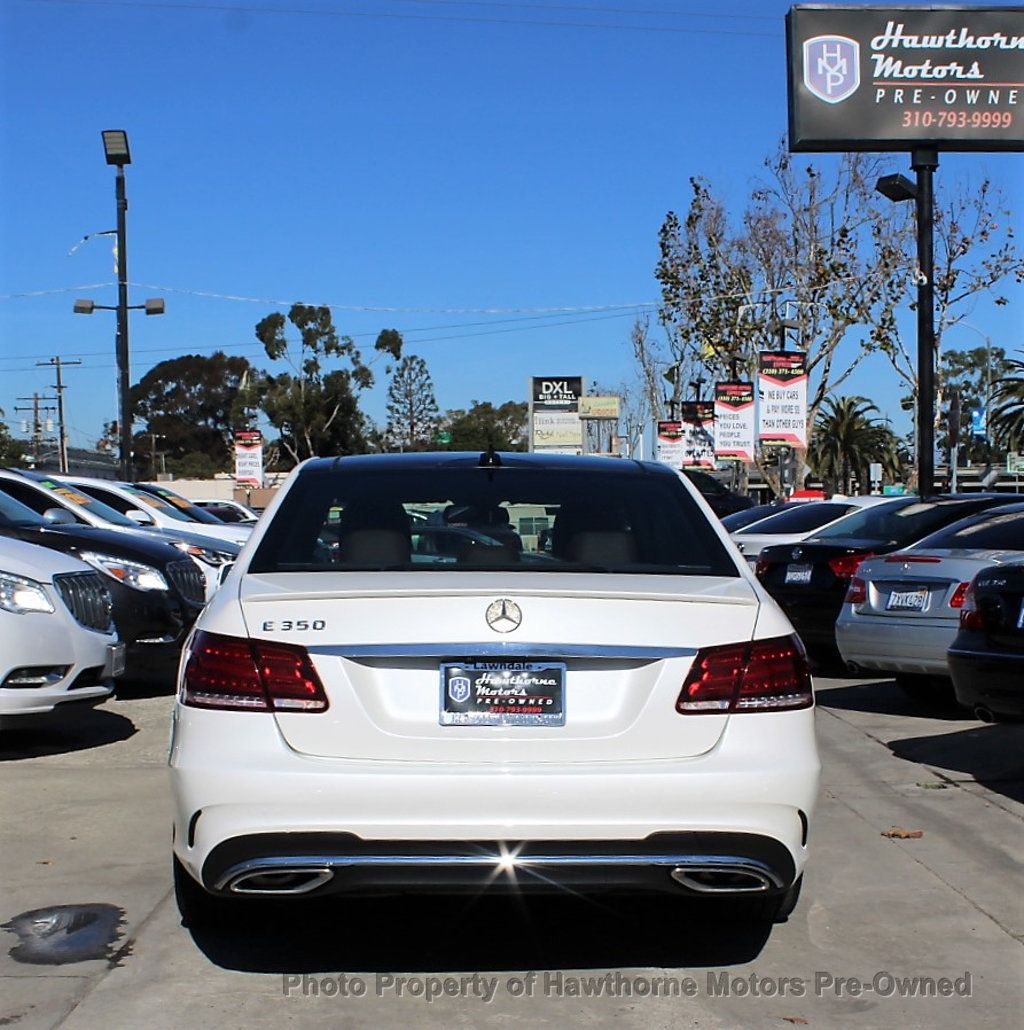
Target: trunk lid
x=626, y=643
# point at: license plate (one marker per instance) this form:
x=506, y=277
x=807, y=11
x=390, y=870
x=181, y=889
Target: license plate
x=798, y=573
x=907, y=600
x=117, y=654
x=503, y=693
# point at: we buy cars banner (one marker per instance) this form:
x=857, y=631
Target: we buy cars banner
x=782, y=389
x=734, y=421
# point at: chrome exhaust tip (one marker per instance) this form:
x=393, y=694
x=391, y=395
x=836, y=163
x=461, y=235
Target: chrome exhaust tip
x=722, y=880
x=300, y=880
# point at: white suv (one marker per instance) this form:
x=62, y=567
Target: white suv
x=360, y=710
x=57, y=640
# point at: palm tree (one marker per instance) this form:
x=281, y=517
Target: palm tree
x=847, y=439
x=1007, y=419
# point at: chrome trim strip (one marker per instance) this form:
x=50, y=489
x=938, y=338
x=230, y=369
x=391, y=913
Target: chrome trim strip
x=502, y=649
x=996, y=656
x=323, y=863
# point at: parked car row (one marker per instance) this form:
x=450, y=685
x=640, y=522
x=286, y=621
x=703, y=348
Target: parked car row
x=90, y=591
x=888, y=587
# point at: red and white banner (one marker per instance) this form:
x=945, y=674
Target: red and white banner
x=668, y=446
x=734, y=421
x=249, y=457
x=782, y=389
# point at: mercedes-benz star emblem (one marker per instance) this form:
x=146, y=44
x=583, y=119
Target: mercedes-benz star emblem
x=503, y=615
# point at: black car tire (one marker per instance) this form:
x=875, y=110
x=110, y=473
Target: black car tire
x=934, y=691
x=199, y=910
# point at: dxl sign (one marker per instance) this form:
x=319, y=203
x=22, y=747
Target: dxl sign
x=894, y=78
x=557, y=393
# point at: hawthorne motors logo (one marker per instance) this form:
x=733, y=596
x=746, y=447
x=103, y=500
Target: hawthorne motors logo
x=832, y=67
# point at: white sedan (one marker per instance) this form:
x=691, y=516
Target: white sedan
x=57, y=640
x=628, y=710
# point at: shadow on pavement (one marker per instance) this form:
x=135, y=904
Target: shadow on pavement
x=992, y=756
x=137, y=689
x=885, y=698
x=70, y=728
x=431, y=934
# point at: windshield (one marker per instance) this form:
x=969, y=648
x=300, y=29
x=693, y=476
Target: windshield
x=14, y=513
x=994, y=531
x=518, y=520
x=193, y=512
x=801, y=518
x=159, y=504
x=738, y=519
x=902, y=521
x=83, y=500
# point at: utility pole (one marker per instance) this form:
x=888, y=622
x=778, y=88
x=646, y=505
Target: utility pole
x=153, y=437
x=62, y=448
x=37, y=423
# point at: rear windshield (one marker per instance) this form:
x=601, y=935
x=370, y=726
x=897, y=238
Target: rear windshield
x=902, y=521
x=738, y=519
x=802, y=518
x=467, y=518
x=999, y=531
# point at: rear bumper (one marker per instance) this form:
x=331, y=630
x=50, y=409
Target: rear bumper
x=988, y=680
x=895, y=645
x=307, y=863
x=241, y=798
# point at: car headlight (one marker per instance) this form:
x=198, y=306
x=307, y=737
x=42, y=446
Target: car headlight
x=21, y=596
x=206, y=554
x=130, y=573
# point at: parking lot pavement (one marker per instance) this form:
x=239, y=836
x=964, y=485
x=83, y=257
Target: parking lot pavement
x=84, y=822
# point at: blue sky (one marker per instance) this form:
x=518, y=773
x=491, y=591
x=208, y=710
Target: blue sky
x=414, y=163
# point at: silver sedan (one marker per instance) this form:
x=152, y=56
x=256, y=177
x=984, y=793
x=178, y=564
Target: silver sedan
x=902, y=610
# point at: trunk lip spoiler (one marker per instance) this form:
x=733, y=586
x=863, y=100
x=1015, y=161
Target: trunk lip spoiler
x=500, y=649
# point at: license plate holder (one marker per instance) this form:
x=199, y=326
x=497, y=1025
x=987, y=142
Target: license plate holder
x=502, y=693
x=798, y=574
x=907, y=600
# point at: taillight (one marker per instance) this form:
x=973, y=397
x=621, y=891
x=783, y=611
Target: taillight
x=970, y=617
x=858, y=592
x=762, y=566
x=843, y=566
x=760, y=676
x=959, y=595
x=252, y=675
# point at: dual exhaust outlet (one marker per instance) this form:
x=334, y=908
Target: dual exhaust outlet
x=696, y=878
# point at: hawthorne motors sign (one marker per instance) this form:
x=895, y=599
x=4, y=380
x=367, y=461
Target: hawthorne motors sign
x=893, y=78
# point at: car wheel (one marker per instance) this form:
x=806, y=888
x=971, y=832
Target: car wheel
x=199, y=910
x=936, y=691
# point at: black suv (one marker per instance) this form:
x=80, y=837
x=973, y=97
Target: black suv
x=720, y=498
x=157, y=590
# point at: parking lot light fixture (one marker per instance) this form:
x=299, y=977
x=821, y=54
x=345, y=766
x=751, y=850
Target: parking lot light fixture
x=115, y=147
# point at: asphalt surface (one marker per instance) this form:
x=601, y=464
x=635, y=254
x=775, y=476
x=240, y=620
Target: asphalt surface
x=84, y=822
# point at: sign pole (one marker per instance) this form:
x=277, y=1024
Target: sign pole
x=924, y=161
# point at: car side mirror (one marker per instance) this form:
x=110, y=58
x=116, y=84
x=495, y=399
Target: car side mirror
x=59, y=517
x=139, y=516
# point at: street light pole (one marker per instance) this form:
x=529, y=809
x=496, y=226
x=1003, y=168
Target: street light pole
x=123, y=373
x=924, y=161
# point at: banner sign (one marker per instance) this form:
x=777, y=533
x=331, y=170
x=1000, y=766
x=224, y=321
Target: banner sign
x=556, y=393
x=599, y=407
x=249, y=457
x=555, y=424
x=734, y=421
x=698, y=419
x=895, y=78
x=668, y=447
x=782, y=390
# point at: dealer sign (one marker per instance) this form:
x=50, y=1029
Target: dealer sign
x=896, y=78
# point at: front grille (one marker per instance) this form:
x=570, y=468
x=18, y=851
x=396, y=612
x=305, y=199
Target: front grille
x=87, y=599
x=188, y=579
